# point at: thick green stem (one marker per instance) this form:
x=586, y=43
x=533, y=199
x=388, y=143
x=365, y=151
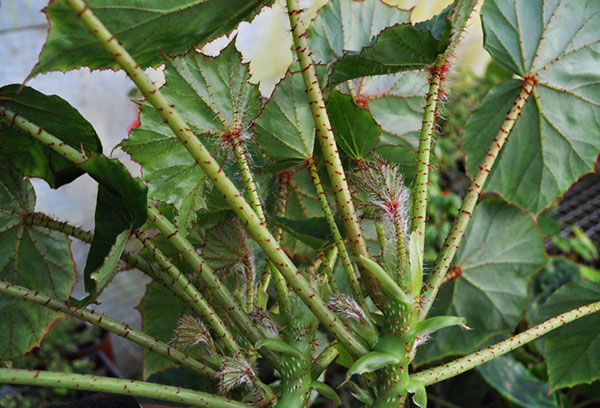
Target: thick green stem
x=109, y=324
x=402, y=253
x=190, y=293
x=179, y=283
x=464, y=214
x=459, y=366
x=257, y=229
x=116, y=386
x=249, y=181
x=328, y=265
x=324, y=359
x=419, y=202
x=337, y=237
x=329, y=147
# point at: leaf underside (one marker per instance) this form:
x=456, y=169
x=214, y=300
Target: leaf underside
x=501, y=250
x=30, y=256
x=572, y=352
x=556, y=139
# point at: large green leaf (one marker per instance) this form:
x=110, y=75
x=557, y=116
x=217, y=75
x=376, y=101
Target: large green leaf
x=556, y=139
x=160, y=309
x=56, y=116
x=501, y=250
x=398, y=48
x=121, y=203
x=356, y=132
x=144, y=27
x=30, y=256
x=507, y=376
x=217, y=102
x=396, y=103
x=573, y=352
x=557, y=272
x=285, y=128
x=348, y=26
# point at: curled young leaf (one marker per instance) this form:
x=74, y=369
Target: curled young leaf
x=390, y=287
x=371, y=362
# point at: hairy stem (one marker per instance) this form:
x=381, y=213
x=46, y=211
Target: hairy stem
x=116, y=386
x=211, y=281
x=381, y=237
x=190, y=293
x=257, y=229
x=464, y=214
x=419, y=202
x=179, y=283
x=109, y=324
x=327, y=266
x=337, y=237
x=459, y=366
x=329, y=147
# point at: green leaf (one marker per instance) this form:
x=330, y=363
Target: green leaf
x=396, y=103
x=556, y=43
x=452, y=31
x=589, y=273
x=501, y=250
x=388, y=285
x=215, y=99
x=399, y=48
x=160, y=309
x=572, y=352
x=349, y=26
x=30, y=256
x=56, y=116
x=361, y=394
x=507, y=376
x=433, y=324
x=144, y=28
x=558, y=271
x=370, y=362
x=121, y=205
x=280, y=346
x=417, y=389
x=356, y=132
x=326, y=391
x=312, y=231
x=285, y=129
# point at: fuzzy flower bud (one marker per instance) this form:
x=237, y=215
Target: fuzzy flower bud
x=234, y=373
x=189, y=332
x=347, y=307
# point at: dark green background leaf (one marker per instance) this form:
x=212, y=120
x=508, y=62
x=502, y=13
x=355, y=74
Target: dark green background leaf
x=507, y=376
x=356, y=132
x=54, y=115
x=398, y=48
x=30, y=256
x=396, y=103
x=144, y=27
x=501, y=250
x=572, y=352
x=160, y=309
